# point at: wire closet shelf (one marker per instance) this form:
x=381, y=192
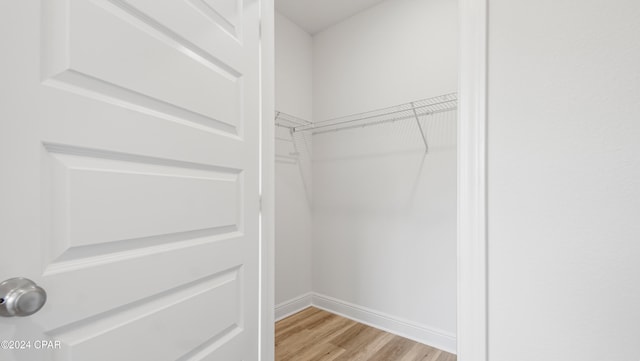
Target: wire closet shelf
x=284, y=120
x=411, y=110
x=407, y=111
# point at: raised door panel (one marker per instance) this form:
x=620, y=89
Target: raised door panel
x=171, y=59
x=160, y=327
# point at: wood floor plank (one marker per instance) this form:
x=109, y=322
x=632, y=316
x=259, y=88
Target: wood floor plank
x=354, y=335
x=297, y=319
x=288, y=348
x=446, y=357
x=420, y=352
x=317, y=335
x=320, y=352
x=395, y=349
x=355, y=341
x=310, y=336
x=299, y=323
x=364, y=353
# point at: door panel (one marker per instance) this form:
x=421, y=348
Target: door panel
x=84, y=48
x=158, y=318
x=129, y=150
x=96, y=198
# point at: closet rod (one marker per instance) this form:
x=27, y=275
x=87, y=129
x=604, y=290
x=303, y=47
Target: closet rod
x=412, y=110
x=371, y=123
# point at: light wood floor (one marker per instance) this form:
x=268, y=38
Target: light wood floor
x=317, y=335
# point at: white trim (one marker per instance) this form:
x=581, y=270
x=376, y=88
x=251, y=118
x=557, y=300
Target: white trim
x=294, y=305
x=420, y=333
x=472, y=183
x=472, y=328
x=266, y=332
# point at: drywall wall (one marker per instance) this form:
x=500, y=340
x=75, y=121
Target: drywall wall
x=294, y=69
x=564, y=180
x=395, y=52
x=293, y=57
x=384, y=244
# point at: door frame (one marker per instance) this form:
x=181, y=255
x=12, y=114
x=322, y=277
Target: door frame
x=472, y=236
x=472, y=324
x=266, y=330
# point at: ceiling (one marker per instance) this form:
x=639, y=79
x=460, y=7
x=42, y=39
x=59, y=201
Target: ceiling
x=317, y=15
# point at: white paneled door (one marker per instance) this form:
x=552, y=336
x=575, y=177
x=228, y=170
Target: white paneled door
x=129, y=157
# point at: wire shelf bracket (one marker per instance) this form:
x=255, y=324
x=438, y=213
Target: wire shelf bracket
x=284, y=120
x=424, y=137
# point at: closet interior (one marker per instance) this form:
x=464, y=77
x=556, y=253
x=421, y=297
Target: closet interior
x=366, y=113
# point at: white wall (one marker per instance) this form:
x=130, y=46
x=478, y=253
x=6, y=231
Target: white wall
x=294, y=69
x=395, y=52
x=384, y=216
x=293, y=210
x=564, y=180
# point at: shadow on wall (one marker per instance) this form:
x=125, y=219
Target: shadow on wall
x=385, y=211
x=384, y=168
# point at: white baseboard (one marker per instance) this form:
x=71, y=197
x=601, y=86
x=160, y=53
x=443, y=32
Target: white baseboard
x=420, y=333
x=295, y=305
